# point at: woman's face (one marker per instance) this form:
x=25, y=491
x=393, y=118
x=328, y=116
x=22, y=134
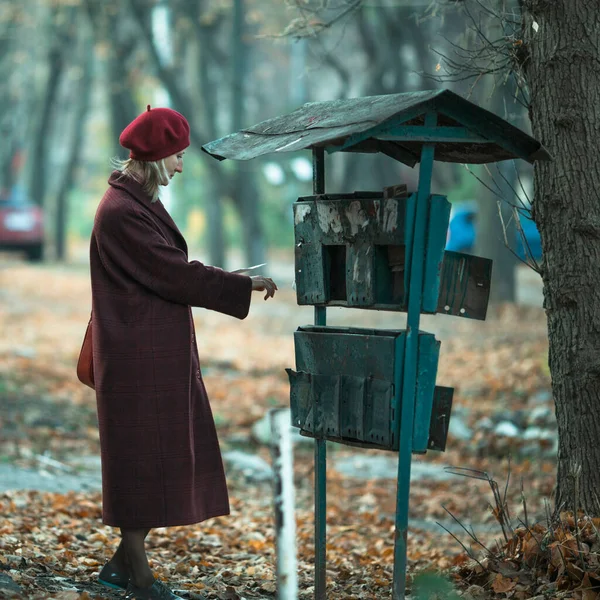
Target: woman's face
x=174, y=163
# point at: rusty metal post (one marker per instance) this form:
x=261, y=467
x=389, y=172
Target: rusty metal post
x=283, y=500
x=409, y=384
x=320, y=443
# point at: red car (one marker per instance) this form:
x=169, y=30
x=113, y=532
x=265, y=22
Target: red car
x=21, y=227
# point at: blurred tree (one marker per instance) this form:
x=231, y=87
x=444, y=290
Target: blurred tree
x=61, y=27
x=116, y=35
x=81, y=93
x=496, y=232
x=244, y=192
x=209, y=25
x=373, y=50
x=17, y=89
x=60, y=33
x=206, y=27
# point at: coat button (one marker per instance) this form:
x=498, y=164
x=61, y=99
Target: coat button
x=193, y=338
x=198, y=373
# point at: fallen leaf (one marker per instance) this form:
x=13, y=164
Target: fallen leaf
x=503, y=584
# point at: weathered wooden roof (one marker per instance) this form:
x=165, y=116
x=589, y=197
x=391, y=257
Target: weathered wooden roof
x=392, y=124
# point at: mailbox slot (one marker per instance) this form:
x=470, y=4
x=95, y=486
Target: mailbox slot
x=335, y=271
x=389, y=273
x=440, y=418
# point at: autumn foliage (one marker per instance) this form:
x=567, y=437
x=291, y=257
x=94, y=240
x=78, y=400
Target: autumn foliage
x=53, y=544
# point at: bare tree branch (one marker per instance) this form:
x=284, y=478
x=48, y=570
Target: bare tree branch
x=311, y=26
x=501, y=55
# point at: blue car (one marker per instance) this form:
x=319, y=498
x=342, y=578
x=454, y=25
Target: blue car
x=463, y=229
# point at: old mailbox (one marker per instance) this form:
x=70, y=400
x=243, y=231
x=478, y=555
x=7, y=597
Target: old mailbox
x=347, y=388
x=355, y=250
x=384, y=251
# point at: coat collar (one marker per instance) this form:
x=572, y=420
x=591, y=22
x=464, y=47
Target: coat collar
x=136, y=191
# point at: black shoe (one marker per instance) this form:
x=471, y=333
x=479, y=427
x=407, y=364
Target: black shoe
x=112, y=578
x=157, y=591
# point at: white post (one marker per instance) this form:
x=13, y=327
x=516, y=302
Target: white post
x=283, y=495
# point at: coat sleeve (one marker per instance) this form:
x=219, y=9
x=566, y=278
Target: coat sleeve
x=130, y=242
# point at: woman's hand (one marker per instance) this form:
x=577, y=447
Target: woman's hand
x=260, y=284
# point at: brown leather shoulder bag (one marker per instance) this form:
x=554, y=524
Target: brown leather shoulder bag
x=85, y=363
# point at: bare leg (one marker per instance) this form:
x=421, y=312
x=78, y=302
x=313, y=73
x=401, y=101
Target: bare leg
x=133, y=546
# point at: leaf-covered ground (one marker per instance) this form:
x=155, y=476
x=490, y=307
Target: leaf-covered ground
x=52, y=545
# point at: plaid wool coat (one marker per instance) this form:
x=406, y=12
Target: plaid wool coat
x=161, y=463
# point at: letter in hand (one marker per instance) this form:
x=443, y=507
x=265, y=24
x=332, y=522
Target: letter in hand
x=261, y=284
x=247, y=269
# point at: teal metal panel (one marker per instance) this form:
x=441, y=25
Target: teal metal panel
x=384, y=281
x=356, y=138
x=409, y=383
x=370, y=276
x=429, y=351
x=411, y=211
x=398, y=383
x=355, y=218
x=439, y=218
x=420, y=133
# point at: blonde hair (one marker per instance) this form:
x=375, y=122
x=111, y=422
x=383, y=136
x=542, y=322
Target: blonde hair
x=151, y=174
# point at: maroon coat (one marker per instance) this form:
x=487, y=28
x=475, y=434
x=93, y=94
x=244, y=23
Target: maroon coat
x=161, y=463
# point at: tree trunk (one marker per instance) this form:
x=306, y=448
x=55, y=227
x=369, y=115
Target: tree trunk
x=245, y=193
x=183, y=103
x=8, y=123
x=18, y=90
x=120, y=97
x=56, y=62
x=563, y=75
x=111, y=27
x=214, y=206
x=83, y=95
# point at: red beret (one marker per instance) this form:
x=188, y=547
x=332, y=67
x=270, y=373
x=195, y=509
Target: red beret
x=155, y=134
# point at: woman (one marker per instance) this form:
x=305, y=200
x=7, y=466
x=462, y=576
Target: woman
x=161, y=463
